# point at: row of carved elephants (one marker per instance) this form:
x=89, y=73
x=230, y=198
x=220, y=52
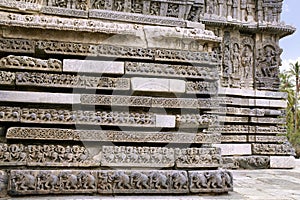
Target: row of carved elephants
x=243, y=10
x=111, y=156
x=31, y=182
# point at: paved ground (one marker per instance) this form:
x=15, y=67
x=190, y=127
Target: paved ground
x=248, y=184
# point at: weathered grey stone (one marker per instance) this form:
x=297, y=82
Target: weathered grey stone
x=39, y=97
x=282, y=162
x=273, y=149
x=157, y=85
x=93, y=66
x=246, y=162
x=234, y=149
x=3, y=183
x=265, y=139
x=234, y=138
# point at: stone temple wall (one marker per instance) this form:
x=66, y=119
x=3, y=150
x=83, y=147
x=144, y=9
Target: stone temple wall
x=147, y=97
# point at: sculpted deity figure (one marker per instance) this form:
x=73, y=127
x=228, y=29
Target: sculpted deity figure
x=235, y=4
x=246, y=61
x=236, y=58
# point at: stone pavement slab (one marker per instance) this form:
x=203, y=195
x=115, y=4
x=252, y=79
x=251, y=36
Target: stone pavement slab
x=267, y=184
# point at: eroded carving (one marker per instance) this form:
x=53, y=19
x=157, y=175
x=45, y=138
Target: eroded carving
x=246, y=162
x=16, y=45
x=273, y=149
x=196, y=120
x=7, y=78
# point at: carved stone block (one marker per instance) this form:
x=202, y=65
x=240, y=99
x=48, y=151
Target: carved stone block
x=198, y=157
x=201, y=87
x=52, y=182
x=142, y=182
x=12, y=154
x=282, y=162
x=246, y=162
x=234, y=149
x=196, y=120
x=215, y=181
x=71, y=81
x=64, y=11
x=126, y=156
x=30, y=63
x=267, y=120
x=93, y=66
x=7, y=78
x=151, y=69
x=16, y=46
x=24, y=5
x=273, y=149
x=9, y=114
x=3, y=183
x=233, y=138
x=267, y=139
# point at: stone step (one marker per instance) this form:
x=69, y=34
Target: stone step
x=31, y=133
x=32, y=182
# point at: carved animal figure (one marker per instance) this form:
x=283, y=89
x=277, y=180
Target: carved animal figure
x=199, y=180
x=214, y=179
x=122, y=180
x=160, y=180
x=68, y=180
x=24, y=181
x=87, y=181
x=140, y=179
x=179, y=180
x=47, y=180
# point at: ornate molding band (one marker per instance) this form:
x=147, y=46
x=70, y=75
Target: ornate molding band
x=29, y=182
x=273, y=149
x=245, y=129
x=110, y=136
x=17, y=46
x=246, y=162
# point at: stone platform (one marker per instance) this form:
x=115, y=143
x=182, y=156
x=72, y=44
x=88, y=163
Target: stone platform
x=248, y=184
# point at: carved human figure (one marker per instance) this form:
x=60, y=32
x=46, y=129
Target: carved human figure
x=60, y=3
x=235, y=5
x=99, y=4
x=246, y=62
x=243, y=10
x=119, y=5
x=154, y=8
x=137, y=6
x=236, y=59
x=210, y=7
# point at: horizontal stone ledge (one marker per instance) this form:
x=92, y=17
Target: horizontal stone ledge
x=267, y=120
x=24, y=6
x=108, y=182
x=39, y=97
x=266, y=103
x=17, y=45
x=157, y=85
x=233, y=119
x=31, y=133
x=64, y=11
x=282, y=162
x=253, y=138
x=252, y=93
x=30, y=63
x=196, y=121
x=93, y=66
x=246, y=162
x=246, y=129
x=234, y=149
x=171, y=71
x=71, y=117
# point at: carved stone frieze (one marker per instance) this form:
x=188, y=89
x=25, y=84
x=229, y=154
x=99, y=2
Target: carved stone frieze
x=22, y=182
x=201, y=87
x=151, y=69
x=245, y=129
x=145, y=182
x=12, y=154
x=29, y=63
x=267, y=139
x=24, y=133
x=198, y=157
x=63, y=11
x=234, y=138
x=268, y=120
x=45, y=155
x=24, y=5
x=210, y=181
x=17, y=45
x=196, y=120
x=127, y=156
x=7, y=78
x=246, y=162
x=71, y=81
x=273, y=149
x=9, y=114
x=82, y=49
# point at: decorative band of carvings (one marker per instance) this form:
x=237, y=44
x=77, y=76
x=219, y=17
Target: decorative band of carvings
x=29, y=63
x=268, y=120
x=7, y=78
x=64, y=11
x=110, y=156
x=82, y=49
x=266, y=103
x=72, y=81
x=196, y=120
x=17, y=45
x=110, y=136
x=59, y=23
x=110, y=100
x=245, y=129
x=246, y=162
x=46, y=155
x=138, y=18
x=20, y=5
x=253, y=138
x=201, y=87
x=273, y=149
x=247, y=111
x=30, y=182
x=182, y=71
